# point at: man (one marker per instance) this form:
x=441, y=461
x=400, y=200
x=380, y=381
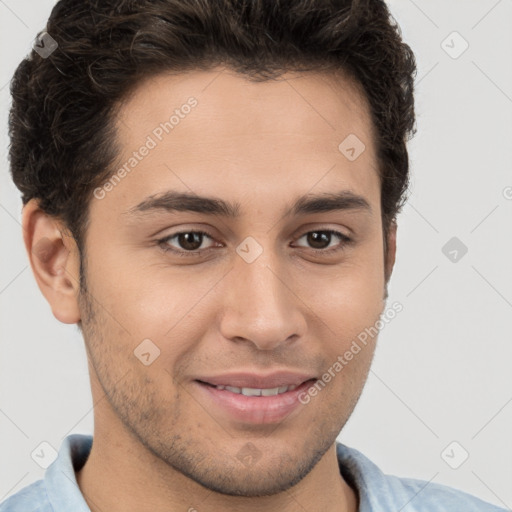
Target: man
x=210, y=193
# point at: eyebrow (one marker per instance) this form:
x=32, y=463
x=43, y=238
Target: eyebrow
x=172, y=201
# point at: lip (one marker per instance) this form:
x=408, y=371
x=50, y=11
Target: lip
x=256, y=410
x=256, y=380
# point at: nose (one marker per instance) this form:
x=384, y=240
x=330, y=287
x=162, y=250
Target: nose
x=260, y=306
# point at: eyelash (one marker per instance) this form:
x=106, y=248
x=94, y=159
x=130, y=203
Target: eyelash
x=182, y=253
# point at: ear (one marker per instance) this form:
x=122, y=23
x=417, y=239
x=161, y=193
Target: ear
x=389, y=257
x=55, y=261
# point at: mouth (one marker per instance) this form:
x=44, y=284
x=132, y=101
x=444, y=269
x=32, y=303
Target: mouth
x=255, y=405
x=255, y=391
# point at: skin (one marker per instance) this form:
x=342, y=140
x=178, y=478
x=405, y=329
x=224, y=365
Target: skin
x=158, y=444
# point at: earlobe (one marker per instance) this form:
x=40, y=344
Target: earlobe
x=54, y=259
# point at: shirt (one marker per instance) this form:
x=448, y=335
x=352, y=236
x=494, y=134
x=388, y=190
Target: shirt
x=378, y=492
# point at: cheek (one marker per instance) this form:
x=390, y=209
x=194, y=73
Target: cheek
x=351, y=315
x=349, y=303
x=140, y=297
x=155, y=311
x=350, y=296
x=164, y=303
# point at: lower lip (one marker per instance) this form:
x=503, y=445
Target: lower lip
x=255, y=409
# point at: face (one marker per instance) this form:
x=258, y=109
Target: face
x=263, y=284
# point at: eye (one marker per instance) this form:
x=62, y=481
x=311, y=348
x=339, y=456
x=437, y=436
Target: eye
x=320, y=240
x=189, y=243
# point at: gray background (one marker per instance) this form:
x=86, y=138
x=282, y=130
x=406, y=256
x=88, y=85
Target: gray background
x=442, y=368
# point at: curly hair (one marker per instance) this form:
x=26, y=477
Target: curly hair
x=61, y=123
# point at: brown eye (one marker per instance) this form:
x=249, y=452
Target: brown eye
x=317, y=239
x=320, y=240
x=186, y=242
x=190, y=241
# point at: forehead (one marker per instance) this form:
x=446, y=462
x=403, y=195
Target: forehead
x=216, y=131
x=290, y=104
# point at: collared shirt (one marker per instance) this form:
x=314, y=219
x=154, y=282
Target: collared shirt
x=378, y=492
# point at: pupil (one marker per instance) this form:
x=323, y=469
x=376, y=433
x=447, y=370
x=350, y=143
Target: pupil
x=190, y=241
x=315, y=236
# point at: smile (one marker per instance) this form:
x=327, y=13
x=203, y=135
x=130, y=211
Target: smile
x=258, y=391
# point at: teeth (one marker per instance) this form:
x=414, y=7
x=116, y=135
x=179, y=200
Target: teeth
x=258, y=391
x=251, y=392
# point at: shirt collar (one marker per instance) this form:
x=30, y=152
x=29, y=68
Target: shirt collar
x=60, y=479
